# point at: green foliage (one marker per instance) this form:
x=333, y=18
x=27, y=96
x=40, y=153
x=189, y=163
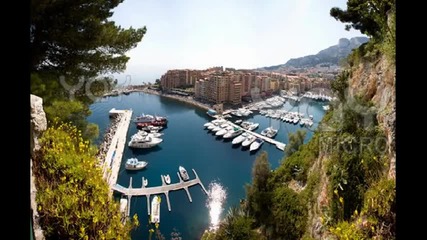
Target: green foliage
x=258, y=194
x=73, y=198
x=340, y=85
x=295, y=141
x=75, y=112
x=380, y=201
x=346, y=230
x=389, y=44
x=368, y=16
x=236, y=225
x=377, y=219
x=356, y=162
x=296, y=166
x=77, y=38
x=289, y=214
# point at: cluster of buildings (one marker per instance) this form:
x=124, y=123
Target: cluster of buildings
x=230, y=86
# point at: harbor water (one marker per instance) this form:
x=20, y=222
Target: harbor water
x=224, y=169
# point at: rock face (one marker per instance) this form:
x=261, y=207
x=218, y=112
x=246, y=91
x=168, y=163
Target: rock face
x=376, y=81
x=38, y=124
x=37, y=120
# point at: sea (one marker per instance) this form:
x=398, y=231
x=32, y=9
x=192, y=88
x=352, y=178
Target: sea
x=224, y=169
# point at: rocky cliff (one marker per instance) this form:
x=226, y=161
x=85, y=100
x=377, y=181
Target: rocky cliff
x=376, y=81
x=38, y=124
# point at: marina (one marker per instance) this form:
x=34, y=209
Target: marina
x=215, y=159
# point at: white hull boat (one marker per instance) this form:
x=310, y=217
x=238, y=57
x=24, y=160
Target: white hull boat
x=155, y=209
x=233, y=133
x=144, y=142
x=134, y=164
x=240, y=139
x=183, y=173
x=256, y=144
x=248, y=141
x=167, y=179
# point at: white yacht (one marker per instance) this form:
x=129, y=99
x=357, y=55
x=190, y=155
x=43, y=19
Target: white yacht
x=144, y=142
x=233, y=133
x=240, y=138
x=134, y=164
x=224, y=131
x=167, y=179
x=184, y=174
x=155, y=209
x=250, y=139
x=271, y=132
x=253, y=126
x=256, y=144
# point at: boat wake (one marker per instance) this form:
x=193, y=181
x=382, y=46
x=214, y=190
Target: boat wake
x=216, y=198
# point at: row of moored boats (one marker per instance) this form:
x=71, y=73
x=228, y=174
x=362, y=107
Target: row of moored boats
x=289, y=117
x=223, y=128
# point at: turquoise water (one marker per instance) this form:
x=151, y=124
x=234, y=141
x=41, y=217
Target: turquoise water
x=187, y=143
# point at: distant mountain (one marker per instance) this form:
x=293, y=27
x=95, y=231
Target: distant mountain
x=329, y=56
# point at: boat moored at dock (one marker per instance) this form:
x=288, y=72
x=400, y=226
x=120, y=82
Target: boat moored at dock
x=155, y=209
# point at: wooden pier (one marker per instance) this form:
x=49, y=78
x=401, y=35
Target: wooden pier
x=163, y=189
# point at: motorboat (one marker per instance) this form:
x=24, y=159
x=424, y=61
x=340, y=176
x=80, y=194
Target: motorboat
x=269, y=132
x=144, y=182
x=144, y=141
x=167, y=179
x=147, y=118
x=151, y=134
x=240, y=138
x=233, y=133
x=184, y=174
x=134, y=164
x=256, y=144
x=224, y=131
x=249, y=140
x=155, y=209
x=253, y=126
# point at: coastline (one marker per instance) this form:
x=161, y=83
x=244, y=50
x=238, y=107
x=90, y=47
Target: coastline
x=188, y=100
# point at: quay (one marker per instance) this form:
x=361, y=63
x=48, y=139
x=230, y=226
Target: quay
x=113, y=157
x=163, y=189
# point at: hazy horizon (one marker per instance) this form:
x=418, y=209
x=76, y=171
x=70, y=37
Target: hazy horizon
x=240, y=34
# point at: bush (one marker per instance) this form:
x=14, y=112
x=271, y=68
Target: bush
x=73, y=198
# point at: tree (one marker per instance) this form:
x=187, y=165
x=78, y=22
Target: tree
x=75, y=38
x=289, y=214
x=368, y=16
x=258, y=194
x=295, y=141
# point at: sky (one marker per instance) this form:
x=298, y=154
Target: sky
x=245, y=34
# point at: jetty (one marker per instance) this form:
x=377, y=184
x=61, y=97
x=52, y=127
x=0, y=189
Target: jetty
x=113, y=157
x=278, y=144
x=163, y=189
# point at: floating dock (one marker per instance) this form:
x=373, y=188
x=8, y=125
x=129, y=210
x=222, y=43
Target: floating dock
x=163, y=189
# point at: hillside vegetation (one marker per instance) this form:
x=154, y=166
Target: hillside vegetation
x=341, y=184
